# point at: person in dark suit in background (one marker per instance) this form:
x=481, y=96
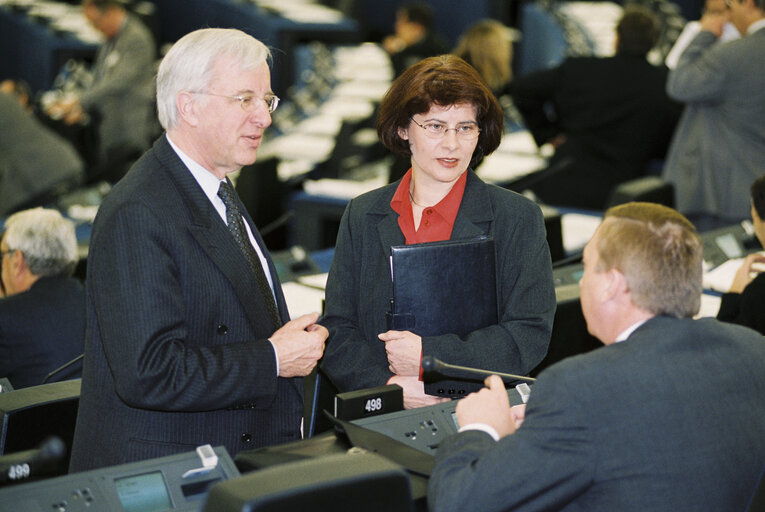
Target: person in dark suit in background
x=745, y=301
x=607, y=117
x=42, y=316
x=667, y=416
x=441, y=115
x=121, y=95
x=413, y=38
x=36, y=164
x=189, y=339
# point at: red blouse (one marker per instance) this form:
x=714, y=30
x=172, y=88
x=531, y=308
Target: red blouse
x=437, y=221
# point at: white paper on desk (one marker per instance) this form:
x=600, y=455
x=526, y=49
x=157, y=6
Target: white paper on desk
x=302, y=300
x=318, y=281
x=288, y=169
x=343, y=189
x=520, y=141
x=298, y=146
x=721, y=277
x=710, y=305
x=347, y=107
x=499, y=167
x=577, y=230
x=321, y=124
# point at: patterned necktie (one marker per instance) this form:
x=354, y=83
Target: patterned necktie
x=236, y=226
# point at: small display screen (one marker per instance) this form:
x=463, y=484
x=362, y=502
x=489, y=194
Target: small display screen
x=454, y=419
x=729, y=245
x=143, y=493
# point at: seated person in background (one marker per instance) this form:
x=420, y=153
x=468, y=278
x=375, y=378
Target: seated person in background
x=42, y=316
x=607, y=117
x=744, y=303
x=413, y=38
x=122, y=91
x=668, y=416
x=487, y=45
x=441, y=115
x=36, y=164
x=692, y=29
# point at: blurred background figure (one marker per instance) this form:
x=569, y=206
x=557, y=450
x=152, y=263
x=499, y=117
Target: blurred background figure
x=718, y=149
x=414, y=38
x=36, y=164
x=744, y=302
x=692, y=29
x=42, y=316
x=488, y=46
x=120, y=99
x=606, y=117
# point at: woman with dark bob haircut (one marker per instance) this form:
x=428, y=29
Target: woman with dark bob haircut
x=441, y=114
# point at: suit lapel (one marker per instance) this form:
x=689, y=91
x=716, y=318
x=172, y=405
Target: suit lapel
x=213, y=236
x=385, y=220
x=475, y=215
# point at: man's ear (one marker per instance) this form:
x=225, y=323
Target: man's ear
x=616, y=284
x=187, y=107
x=19, y=263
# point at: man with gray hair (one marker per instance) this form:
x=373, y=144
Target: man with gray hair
x=667, y=416
x=189, y=338
x=42, y=316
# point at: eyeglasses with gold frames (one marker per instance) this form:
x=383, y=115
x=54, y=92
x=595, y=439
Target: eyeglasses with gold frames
x=249, y=102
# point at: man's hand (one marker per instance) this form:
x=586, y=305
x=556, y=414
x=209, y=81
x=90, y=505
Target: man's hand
x=404, y=350
x=67, y=109
x=414, y=392
x=753, y=265
x=490, y=406
x=713, y=22
x=299, y=344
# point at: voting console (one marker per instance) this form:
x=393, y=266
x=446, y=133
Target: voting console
x=174, y=483
x=424, y=428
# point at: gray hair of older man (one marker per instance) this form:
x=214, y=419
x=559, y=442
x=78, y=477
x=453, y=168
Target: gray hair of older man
x=45, y=238
x=189, y=64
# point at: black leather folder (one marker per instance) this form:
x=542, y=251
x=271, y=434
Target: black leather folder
x=444, y=288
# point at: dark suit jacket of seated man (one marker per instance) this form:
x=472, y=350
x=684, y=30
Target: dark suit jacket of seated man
x=42, y=316
x=188, y=342
x=668, y=416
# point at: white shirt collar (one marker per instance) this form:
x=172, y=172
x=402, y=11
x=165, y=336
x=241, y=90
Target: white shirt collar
x=207, y=180
x=754, y=27
x=628, y=331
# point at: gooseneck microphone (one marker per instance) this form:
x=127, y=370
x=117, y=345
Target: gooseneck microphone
x=431, y=364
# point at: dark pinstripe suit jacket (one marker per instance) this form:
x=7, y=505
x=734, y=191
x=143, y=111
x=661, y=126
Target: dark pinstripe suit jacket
x=176, y=351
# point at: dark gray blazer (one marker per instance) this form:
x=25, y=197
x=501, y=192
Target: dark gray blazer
x=41, y=329
x=35, y=162
x=176, y=353
x=670, y=419
x=359, y=287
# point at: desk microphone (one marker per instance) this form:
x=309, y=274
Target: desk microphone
x=20, y=466
x=431, y=364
